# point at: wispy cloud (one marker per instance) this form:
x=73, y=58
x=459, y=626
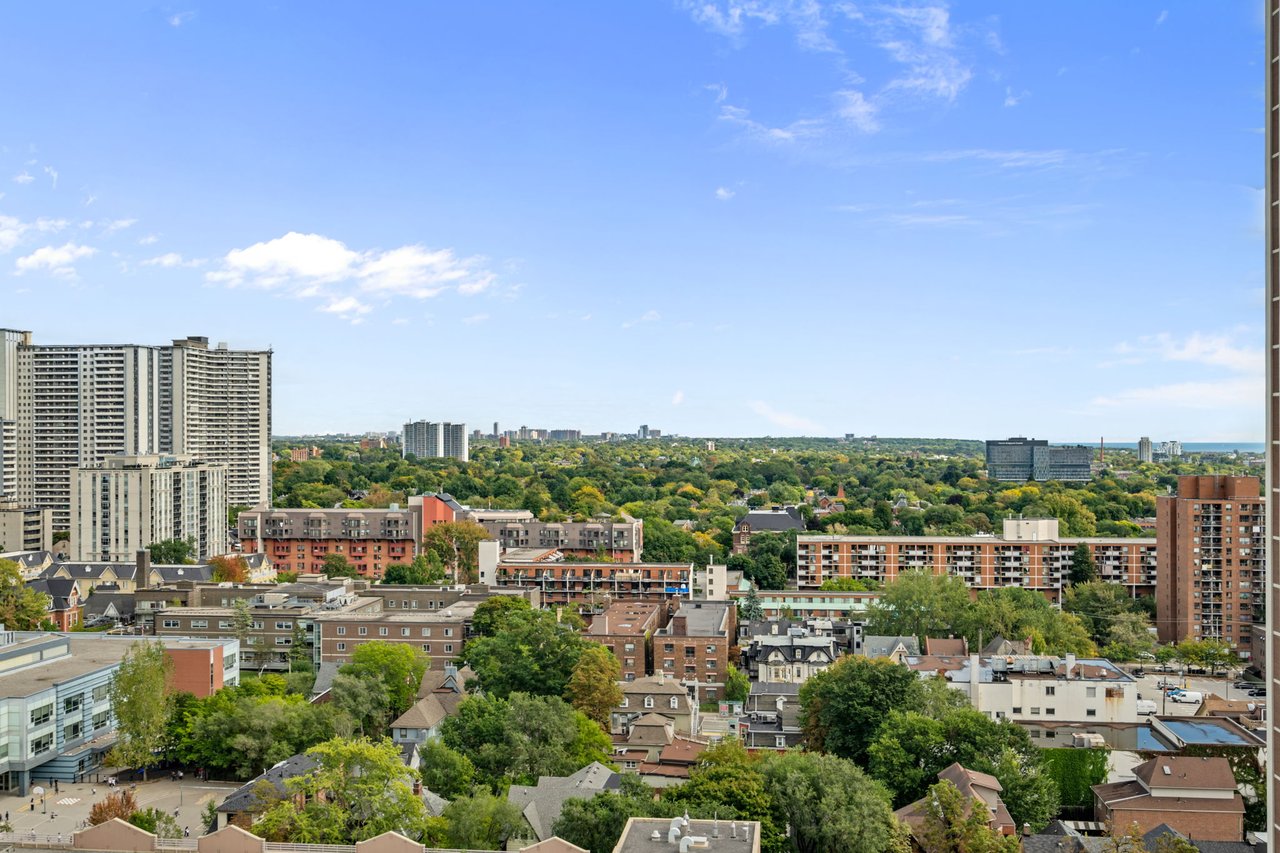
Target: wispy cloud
x=180, y=18
x=1241, y=364
x=650, y=316
x=724, y=193
x=149, y=240
x=312, y=266
x=475, y=318
x=347, y=308
x=854, y=108
x=786, y=420
x=111, y=226
x=796, y=130
x=55, y=260
x=677, y=398
x=1162, y=17
x=52, y=173
x=1011, y=98
x=173, y=259
x=14, y=231
x=23, y=177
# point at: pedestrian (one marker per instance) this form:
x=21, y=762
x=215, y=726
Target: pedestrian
x=186, y=832
x=95, y=791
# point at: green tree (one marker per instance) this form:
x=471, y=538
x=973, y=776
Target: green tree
x=241, y=622
x=358, y=789
x=954, y=824
x=729, y=781
x=596, y=824
x=749, y=608
x=593, y=687
x=445, y=771
x=425, y=569
x=482, y=821
x=457, y=545
x=736, y=685
x=21, y=608
x=337, y=566
x=397, y=667
x=830, y=805
x=919, y=604
x=491, y=614
x=530, y=653
x=842, y=707
x=173, y=552
x=140, y=700
x=1083, y=567
x=1076, y=771
x=237, y=732
x=231, y=569
x=157, y=822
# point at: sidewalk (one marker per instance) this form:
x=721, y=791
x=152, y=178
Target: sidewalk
x=65, y=811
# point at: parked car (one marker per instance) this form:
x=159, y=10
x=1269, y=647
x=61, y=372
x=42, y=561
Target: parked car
x=1190, y=697
x=1146, y=707
x=1139, y=672
x=1248, y=685
x=1258, y=691
x=1165, y=684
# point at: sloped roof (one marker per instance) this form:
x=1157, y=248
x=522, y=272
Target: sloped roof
x=879, y=647
x=122, y=604
x=243, y=799
x=1186, y=772
x=1001, y=646
x=946, y=646
x=542, y=803
x=1131, y=795
x=172, y=574
x=787, y=518
x=426, y=713
x=972, y=785
x=59, y=591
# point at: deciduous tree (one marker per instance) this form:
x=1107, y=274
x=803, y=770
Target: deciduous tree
x=956, y=824
x=140, y=700
x=593, y=687
x=843, y=706
x=232, y=569
x=118, y=804
x=456, y=544
x=830, y=805
x=530, y=653
x=173, y=552
x=21, y=608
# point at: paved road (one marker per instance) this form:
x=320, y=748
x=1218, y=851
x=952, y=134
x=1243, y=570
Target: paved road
x=1148, y=689
x=65, y=811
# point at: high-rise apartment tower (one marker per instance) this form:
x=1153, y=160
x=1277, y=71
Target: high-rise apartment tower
x=1271, y=125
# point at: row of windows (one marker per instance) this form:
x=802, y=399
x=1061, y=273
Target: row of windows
x=673, y=702
x=426, y=647
x=382, y=632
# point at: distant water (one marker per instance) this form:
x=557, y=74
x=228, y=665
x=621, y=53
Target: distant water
x=1194, y=446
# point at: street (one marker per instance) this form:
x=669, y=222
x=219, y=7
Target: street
x=68, y=810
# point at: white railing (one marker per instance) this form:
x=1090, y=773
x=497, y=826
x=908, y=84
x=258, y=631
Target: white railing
x=36, y=839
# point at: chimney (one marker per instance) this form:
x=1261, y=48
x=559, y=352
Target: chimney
x=1026, y=830
x=1071, y=664
x=143, y=562
x=975, y=680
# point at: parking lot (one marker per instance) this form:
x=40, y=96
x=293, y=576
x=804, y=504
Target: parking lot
x=1148, y=688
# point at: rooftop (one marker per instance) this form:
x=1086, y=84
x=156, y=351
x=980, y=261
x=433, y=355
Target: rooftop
x=650, y=835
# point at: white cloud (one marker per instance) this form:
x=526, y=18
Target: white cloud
x=1211, y=350
x=853, y=107
x=57, y=260
x=677, y=398
x=346, y=308
x=23, y=177
x=114, y=225
x=13, y=230
x=786, y=420
x=180, y=18
x=1011, y=98
x=149, y=240
x=1240, y=387
x=315, y=266
x=1241, y=392
x=172, y=259
x=724, y=193
x=1162, y=17
x=649, y=316
x=800, y=129
x=53, y=173
x=475, y=318
x=90, y=199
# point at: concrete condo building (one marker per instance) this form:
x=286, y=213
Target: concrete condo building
x=429, y=440
x=128, y=502
x=24, y=528
x=1021, y=459
x=1210, y=561
x=1145, y=453
x=63, y=407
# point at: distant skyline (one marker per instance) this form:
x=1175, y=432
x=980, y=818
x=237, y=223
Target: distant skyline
x=718, y=218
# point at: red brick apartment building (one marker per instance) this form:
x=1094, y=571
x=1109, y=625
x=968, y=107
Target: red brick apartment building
x=1212, y=571
x=695, y=644
x=626, y=628
x=298, y=540
x=1029, y=554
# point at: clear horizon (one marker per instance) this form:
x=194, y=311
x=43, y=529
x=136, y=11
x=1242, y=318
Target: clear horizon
x=742, y=216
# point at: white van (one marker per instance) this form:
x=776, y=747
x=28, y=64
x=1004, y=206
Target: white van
x=1188, y=697
x=1146, y=706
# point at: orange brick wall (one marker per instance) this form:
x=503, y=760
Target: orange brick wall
x=196, y=671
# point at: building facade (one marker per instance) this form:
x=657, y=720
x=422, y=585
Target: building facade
x=1271, y=125
x=64, y=407
x=1145, y=451
x=626, y=628
x=298, y=540
x=1211, y=578
x=24, y=528
x=1028, y=554
x=694, y=646
x=1021, y=459
x=616, y=541
x=126, y=503
x=438, y=633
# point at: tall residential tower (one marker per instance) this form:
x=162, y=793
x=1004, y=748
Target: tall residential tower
x=1271, y=126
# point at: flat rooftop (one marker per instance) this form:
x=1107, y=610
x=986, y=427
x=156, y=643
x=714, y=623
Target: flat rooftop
x=89, y=653
x=726, y=835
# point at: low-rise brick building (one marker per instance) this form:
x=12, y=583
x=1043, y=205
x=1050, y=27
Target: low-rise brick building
x=298, y=540
x=694, y=647
x=626, y=628
x=438, y=633
x=1195, y=796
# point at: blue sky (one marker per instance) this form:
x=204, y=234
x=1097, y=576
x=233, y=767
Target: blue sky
x=718, y=218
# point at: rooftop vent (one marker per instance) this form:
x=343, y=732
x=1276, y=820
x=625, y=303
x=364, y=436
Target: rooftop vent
x=1166, y=770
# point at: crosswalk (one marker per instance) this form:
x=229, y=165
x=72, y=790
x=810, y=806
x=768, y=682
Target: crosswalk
x=68, y=801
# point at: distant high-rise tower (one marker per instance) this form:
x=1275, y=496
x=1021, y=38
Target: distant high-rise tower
x=1144, y=449
x=495, y=430
x=643, y=432
x=431, y=440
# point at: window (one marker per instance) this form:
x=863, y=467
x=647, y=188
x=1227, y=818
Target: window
x=448, y=647
x=72, y=703
x=284, y=626
x=448, y=632
x=1091, y=712
x=342, y=647
x=1052, y=690
x=44, y=743
x=101, y=692
x=414, y=604
x=200, y=623
x=1035, y=710
x=675, y=701
x=626, y=702
x=72, y=732
x=169, y=623
x=426, y=632
x=363, y=631
x=426, y=647
x=629, y=647
x=101, y=720
x=1090, y=692
x=404, y=632
x=404, y=604
x=284, y=641
x=1016, y=710
x=1049, y=711
x=648, y=701
x=780, y=741
x=391, y=602
x=41, y=715
x=382, y=632
x=224, y=625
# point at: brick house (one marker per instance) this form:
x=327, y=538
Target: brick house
x=1195, y=796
